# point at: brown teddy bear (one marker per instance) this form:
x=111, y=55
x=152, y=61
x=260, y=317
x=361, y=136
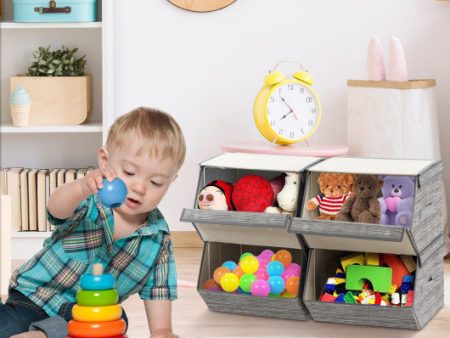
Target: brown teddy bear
x=335, y=189
x=363, y=206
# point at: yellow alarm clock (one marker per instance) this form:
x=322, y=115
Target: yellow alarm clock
x=287, y=110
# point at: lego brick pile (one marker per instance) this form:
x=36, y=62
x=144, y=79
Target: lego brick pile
x=372, y=278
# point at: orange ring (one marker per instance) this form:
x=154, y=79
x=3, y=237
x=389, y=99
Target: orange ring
x=95, y=330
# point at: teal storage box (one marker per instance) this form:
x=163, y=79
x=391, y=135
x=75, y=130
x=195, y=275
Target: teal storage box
x=54, y=11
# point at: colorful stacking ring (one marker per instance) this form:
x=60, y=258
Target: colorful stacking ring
x=97, y=298
x=92, y=282
x=94, y=330
x=96, y=313
x=121, y=336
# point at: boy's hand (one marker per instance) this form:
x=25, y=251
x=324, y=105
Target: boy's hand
x=163, y=333
x=93, y=181
x=31, y=334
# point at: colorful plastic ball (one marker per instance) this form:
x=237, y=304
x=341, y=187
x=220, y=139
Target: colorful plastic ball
x=219, y=272
x=113, y=193
x=229, y=282
x=287, y=273
x=260, y=288
x=295, y=267
x=238, y=271
x=98, y=329
x=292, y=284
x=211, y=285
x=284, y=257
x=96, y=313
x=230, y=265
x=276, y=284
x=275, y=268
x=245, y=254
x=263, y=262
x=267, y=253
x=97, y=298
x=286, y=294
x=249, y=264
x=246, y=282
x=261, y=273
x=93, y=282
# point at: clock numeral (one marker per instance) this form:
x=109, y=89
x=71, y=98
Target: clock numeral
x=272, y=99
x=313, y=111
x=302, y=90
x=302, y=131
x=272, y=122
x=309, y=99
x=310, y=123
x=292, y=135
x=290, y=86
x=280, y=131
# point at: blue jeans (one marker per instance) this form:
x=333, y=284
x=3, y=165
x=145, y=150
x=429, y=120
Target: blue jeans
x=19, y=312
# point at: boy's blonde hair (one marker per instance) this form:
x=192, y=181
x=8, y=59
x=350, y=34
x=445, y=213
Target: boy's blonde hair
x=159, y=133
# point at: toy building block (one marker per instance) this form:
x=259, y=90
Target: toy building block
x=380, y=277
x=355, y=258
x=340, y=299
x=409, y=262
x=372, y=258
x=349, y=298
x=410, y=298
x=398, y=268
x=392, y=289
x=340, y=288
x=326, y=297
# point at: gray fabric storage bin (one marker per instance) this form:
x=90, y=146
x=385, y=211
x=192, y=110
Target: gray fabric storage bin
x=423, y=240
x=227, y=234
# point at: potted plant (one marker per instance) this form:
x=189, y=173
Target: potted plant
x=60, y=91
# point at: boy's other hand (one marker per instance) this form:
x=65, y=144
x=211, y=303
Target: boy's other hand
x=31, y=334
x=163, y=333
x=93, y=181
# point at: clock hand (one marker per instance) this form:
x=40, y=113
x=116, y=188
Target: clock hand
x=287, y=104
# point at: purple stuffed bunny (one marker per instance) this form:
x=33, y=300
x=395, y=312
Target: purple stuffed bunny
x=397, y=203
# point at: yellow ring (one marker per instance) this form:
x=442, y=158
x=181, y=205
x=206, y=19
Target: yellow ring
x=96, y=313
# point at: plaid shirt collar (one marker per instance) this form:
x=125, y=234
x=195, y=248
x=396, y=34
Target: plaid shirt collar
x=155, y=223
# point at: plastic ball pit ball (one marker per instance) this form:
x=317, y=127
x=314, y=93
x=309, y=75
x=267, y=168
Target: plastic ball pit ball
x=249, y=264
x=292, y=285
x=246, y=282
x=219, y=272
x=260, y=288
x=275, y=268
x=284, y=257
x=229, y=282
x=276, y=284
x=113, y=193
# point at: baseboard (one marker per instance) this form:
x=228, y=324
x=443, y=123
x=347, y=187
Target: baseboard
x=186, y=239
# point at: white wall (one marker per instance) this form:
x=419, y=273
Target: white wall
x=205, y=69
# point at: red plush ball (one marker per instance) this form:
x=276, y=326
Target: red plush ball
x=252, y=193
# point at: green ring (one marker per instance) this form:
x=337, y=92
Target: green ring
x=97, y=298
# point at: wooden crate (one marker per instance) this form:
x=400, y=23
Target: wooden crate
x=423, y=240
x=228, y=233
x=57, y=100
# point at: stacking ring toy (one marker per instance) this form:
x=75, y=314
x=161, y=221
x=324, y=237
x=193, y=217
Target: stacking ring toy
x=93, y=282
x=97, y=298
x=113, y=193
x=94, y=330
x=121, y=336
x=96, y=313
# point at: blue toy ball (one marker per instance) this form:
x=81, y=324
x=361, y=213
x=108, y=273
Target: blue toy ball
x=275, y=268
x=276, y=284
x=230, y=265
x=113, y=193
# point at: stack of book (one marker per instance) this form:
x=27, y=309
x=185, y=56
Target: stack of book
x=29, y=190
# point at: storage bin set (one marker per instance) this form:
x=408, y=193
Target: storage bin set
x=54, y=11
x=318, y=245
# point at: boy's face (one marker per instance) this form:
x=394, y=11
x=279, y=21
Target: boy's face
x=147, y=179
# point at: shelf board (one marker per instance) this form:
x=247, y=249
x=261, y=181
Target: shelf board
x=31, y=234
x=89, y=127
x=49, y=25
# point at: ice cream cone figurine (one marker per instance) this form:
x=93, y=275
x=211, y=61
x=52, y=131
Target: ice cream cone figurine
x=20, y=105
x=97, y=313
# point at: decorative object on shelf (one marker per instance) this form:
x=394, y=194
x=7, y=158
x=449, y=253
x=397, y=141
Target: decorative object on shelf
x=252, y=193
x=334, y=191
x=55, y=11
x=287, y=109
x=202, y=6
x=287, y=197
x=20, y=104
x=113, y=194
x=216, y=195
x=363, y=206
x=61, y=92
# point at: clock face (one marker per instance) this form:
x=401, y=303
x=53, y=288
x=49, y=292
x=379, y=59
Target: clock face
x=293, y=111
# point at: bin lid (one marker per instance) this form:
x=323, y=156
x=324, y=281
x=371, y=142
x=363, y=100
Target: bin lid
x=249, y=228
x=261, y=162
x=376, y=166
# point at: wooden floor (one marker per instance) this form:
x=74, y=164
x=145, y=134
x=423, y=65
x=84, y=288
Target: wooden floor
x=191, y=317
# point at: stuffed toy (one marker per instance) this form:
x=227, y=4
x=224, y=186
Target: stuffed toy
x=252, y=193
x=335, y=189
x=277, y=184
x=287, y=198
x=363, y=206
x=216, y=195
x=397, y=202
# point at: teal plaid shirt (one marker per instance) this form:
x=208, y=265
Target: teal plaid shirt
x=141, y=263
